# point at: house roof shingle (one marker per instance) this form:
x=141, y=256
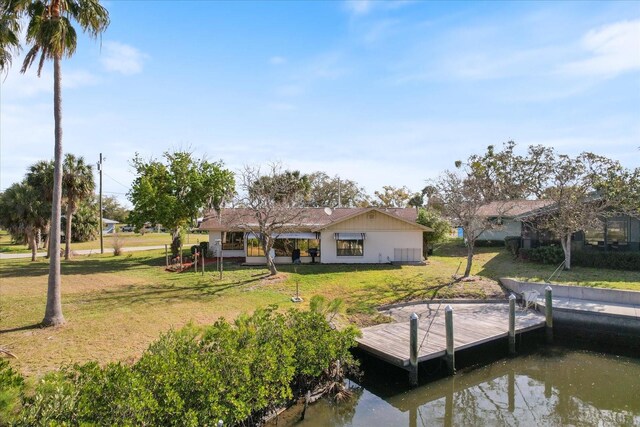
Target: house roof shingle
x=512, y=208
x=310, y=218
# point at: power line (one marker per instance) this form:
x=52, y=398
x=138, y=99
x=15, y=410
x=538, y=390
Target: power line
x=115, y=180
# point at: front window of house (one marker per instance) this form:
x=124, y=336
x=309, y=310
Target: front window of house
x=613, y=232
x=350, y=247
x=233, y=241
x=617, y=232
x=284, y=247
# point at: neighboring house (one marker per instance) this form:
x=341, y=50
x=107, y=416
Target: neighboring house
x=617, y=233
x=109, y=226
x=341, y=235
x=508, y=217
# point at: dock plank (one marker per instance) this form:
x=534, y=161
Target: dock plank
x=473, y=324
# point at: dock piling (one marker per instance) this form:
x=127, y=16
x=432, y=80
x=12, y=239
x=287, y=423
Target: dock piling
x=548, y=307
x=450, y=357
x=413, y=350
x=512, y=324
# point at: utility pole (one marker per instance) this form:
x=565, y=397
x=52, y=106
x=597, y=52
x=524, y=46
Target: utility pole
x=339, y=194
x=100, y=198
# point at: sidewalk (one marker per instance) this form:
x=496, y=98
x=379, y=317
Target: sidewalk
x=83, y=252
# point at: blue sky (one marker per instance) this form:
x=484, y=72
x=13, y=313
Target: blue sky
x=384, y=93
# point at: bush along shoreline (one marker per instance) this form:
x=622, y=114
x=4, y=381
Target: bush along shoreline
x=236, y=372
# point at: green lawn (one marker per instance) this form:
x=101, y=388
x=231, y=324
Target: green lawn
x=116, y=306
x=129, y=239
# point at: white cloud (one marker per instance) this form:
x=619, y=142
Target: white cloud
x=359, y=7
x=613, y=49
x=277, y=60
x=122, y=58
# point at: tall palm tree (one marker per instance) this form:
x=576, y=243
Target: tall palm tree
x=51, y=36
x=77, y=185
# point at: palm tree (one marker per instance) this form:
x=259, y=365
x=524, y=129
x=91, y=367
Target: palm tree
x=77, y=185
x=9, y=29
x=51, y=36
x=40, y=177
x=22, y=214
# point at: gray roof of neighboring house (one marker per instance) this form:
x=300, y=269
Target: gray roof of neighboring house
x=513, y=208
x=307, y=218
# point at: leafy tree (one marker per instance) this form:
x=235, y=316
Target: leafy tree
x=112, y=209
x=583, y=190
x=50, y=35
x=174, y=192
x=275, y=199
x=23, y=214
x=77, y=186
x=504, y=175
x=440, y=226
x=334, y=191
x=392, y=197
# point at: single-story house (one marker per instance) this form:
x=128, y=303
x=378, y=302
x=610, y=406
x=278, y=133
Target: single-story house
x=109, y=226
x=341, y=235
x=508, y=217
x=617, y=233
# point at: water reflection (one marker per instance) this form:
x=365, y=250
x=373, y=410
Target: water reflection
x=561, y=387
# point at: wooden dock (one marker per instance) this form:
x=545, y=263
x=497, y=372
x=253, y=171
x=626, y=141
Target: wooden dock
x=473, y=324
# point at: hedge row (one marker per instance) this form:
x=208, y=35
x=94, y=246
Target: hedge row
x=196, y=376
x=553, y=254
x=614, y=260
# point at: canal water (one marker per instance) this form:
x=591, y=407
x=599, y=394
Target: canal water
x=553, y=386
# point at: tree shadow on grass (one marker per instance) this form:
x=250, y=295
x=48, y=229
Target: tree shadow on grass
x=21, y=328
x=83, y=265
x=199, y=290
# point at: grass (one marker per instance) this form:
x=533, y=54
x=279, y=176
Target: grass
x=116, y=306
x=130, y=240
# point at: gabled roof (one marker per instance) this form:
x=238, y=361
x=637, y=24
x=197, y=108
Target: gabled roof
x=513, y=208
x=314, y=219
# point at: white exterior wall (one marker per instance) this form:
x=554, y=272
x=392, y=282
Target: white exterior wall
x=216, y=235
x=379, y=246
x=510, y=227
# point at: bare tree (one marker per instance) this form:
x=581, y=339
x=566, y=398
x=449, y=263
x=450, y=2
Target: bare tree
x=462, y=201
x=275, y=199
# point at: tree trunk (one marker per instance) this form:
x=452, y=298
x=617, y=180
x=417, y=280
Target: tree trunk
x=47, y=241
x=467, y=271
x=53, y=313
x=176, y=244
x=271, y=265
x=67, y=233
x=33, y=243
x=566, y=247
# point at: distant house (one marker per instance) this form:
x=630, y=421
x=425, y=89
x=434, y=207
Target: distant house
x=109, y=226
x=341, y=235
x=617, y=233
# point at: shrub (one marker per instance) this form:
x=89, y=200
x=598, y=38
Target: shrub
x=614, y=260
x=513, y=243
x=544, y=254
x=117, y=243
x=196, y=376
x=11, y=385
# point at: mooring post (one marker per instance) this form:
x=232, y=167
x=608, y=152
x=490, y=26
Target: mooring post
x=548, y=306
x=512, y=324
x=413, y=350
x=450, y=357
